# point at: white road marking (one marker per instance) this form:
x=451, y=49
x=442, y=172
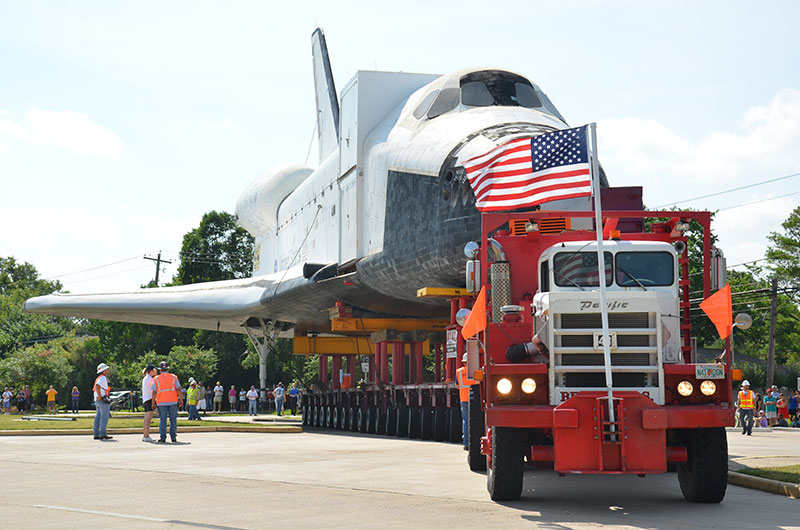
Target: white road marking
x=97, y=512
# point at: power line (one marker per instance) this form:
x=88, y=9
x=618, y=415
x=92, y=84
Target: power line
x=93, y=268
x=112, y=274
x=756, y=202
x=730, y=191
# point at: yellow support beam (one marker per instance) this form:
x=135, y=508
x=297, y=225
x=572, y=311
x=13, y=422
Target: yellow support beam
x=441, y=292
x=333, y=346
x=369, y=325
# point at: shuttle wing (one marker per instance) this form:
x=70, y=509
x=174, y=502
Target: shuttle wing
x=223, y=305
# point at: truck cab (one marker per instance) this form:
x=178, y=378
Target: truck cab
x=642, y=284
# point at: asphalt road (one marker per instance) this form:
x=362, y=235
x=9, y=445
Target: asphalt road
x=321, y=480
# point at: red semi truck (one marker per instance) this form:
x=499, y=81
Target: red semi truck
x=542, y=394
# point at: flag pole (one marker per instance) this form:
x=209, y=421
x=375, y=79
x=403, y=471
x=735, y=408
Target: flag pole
x=601, y=267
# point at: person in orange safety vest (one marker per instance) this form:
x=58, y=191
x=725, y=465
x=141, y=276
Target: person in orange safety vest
x=464, y=382
x=167, y=396
x=746, y=402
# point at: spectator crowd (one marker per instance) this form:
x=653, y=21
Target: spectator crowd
x=774, y=408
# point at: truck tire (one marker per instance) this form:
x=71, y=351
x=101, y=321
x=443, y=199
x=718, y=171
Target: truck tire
x=476, y=429
x=352, y=418
x=391, y=421
x=441, y=420
x=335, y=418
x=315, y=415
x=414, y=415
x=328, y=417
x=704, y=476
x=505, y=472
x=402, y=422
x=305, y=415
x=426, y=424
x=362, y=421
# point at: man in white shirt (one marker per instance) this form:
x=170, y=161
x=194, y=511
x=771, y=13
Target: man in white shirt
x=102, y=403
x=147, y=398
x=252, y=399
x=218, y=391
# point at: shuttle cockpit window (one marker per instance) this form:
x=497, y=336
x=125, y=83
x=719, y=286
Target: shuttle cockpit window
x=446, y=100
x=425, y=104
x=492, y=87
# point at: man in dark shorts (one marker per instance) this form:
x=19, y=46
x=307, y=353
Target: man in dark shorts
x=147, y=399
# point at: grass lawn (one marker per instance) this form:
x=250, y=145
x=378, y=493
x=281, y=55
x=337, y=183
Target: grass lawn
x=784, y=473
x=13, y=422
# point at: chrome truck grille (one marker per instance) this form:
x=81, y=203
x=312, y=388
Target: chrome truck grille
x=577, y=363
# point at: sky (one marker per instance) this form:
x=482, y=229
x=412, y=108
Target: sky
x=121, y=123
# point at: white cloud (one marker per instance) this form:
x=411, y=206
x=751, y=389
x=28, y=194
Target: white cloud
x=73, y=131
x=671, y=168
x=4, y=148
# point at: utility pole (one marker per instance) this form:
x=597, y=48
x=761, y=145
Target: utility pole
x=773, y=316
x=158, y=261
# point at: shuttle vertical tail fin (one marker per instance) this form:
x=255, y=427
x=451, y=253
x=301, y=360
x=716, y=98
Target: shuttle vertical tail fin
x=325, y=95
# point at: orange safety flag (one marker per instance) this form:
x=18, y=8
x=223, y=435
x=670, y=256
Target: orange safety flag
x=476, y=321
x=719, y=310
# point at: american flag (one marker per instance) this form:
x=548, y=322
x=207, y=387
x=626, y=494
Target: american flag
x=529, y=171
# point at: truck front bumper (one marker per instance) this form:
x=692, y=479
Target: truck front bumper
x=585, y=440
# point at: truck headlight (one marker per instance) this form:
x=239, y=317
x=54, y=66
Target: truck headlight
x=504, y=386
x=528, y=385
x=708, y=388
x=685, y=388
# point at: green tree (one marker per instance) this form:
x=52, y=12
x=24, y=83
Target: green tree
x=218, y=249
x=37, y=366
x=19, y=281
x=184, y=361
x=784, y=253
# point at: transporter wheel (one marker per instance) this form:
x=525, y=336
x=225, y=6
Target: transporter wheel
x=426, y=424
x=380, y=422
x=335, y=418
x=344, y=424
x=352, y=419
x=401, y=430
x=391, y=421
x=414, y=415
x=505, y=466
x=441, y=418
x=328, y=417
x=305, y=415
x=454, y=429
x=476, y=428
x=704, y=476
x=315, y=416
x=372, y=419
x=362, y=420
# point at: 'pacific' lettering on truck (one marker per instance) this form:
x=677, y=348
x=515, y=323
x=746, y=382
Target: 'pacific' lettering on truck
x=616, y=304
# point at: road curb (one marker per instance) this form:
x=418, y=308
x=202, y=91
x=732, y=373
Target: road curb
x=764, y=484
x=288, y=429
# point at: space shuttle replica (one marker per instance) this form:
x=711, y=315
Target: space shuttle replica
x=387, y=211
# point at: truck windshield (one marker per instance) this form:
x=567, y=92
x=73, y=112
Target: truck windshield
x=579, y=269
x=646, y=268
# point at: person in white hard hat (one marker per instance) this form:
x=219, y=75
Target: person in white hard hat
x=102, y=403
x=746, y=401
